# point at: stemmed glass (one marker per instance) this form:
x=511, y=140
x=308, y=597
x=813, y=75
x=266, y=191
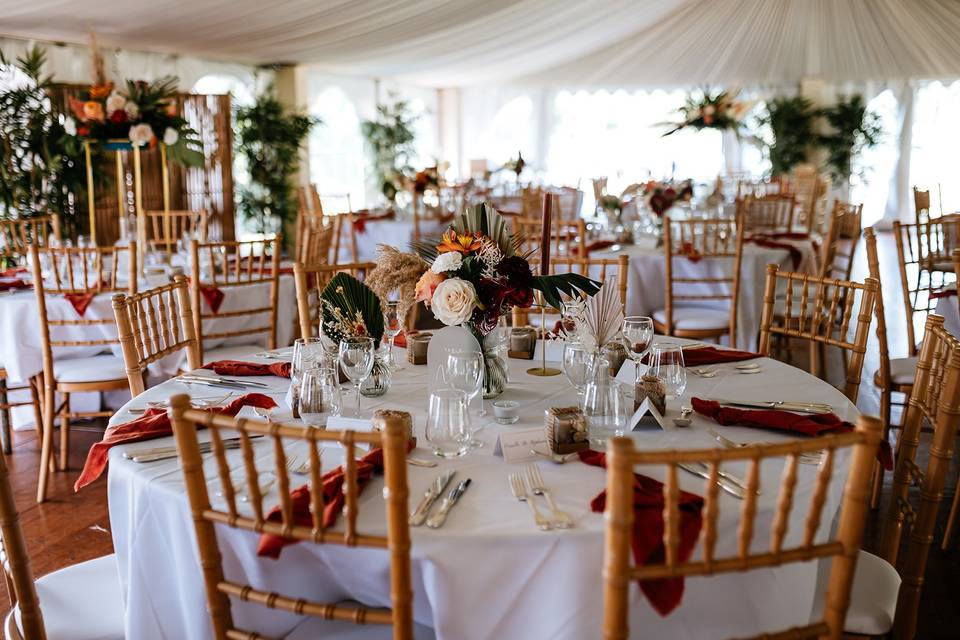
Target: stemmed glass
x=666, y=363
x=392, y=327
x=576, y=365
x=356, y=360
x=465, y=373
x=319, y=396
x=638, y=333
x=570, y=317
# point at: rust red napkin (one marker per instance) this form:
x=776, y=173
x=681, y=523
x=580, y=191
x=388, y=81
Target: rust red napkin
x=241, y=368
x=943, y=293
x=647, y=539
x=596, y=245
x=213, y=295
x=154, y=423
x=783, y=235
x=796, y=257
x=401, y=340
x=711, y=355
x=812, y=425
x=270, y=545
x=12, y=272
x=14, y=284
x=80, y=301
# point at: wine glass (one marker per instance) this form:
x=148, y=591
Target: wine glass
x=448, y=423
x=576, y=365
x=570, y=317
x=319, y=396
x=356, y=360
x=392, y=327
x=666, y=363
x=638, y=333
x=465, y=373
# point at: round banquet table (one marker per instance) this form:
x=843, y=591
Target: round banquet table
x=488, y=573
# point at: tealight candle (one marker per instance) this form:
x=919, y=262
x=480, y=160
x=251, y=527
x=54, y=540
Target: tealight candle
x=506, y=411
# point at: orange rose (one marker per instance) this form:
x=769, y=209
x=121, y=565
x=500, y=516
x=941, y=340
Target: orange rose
x=100, y=91
x=427, y=284
x=93, y=111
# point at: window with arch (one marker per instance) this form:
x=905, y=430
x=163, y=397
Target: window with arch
x=337, y=159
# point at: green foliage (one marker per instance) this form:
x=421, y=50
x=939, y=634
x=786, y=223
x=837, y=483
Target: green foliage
x=351, y=309
x=269, y=138
x=707, y=110
x=791, y=123
x=572, y=284
x=41, y=167
x=853, y=129
x=153, y=99
x=390, y=140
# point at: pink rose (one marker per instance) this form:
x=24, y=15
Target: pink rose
x=427, y=284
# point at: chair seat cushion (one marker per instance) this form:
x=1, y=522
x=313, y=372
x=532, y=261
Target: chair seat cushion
x=873, y=600
x=338, y=630
x=902, y=371
x=82, y=601
x=93, y=369
x=232, y=352
x=695, y=318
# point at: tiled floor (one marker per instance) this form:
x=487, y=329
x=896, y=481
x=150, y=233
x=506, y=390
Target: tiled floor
x=75, y=527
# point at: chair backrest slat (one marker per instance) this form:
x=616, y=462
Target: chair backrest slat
x=17, y=235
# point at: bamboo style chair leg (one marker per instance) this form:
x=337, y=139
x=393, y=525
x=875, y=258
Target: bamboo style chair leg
x=46, y=448
x=5, y=435
x=65, y=433
x=36, y=393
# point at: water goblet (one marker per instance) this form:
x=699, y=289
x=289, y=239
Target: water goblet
x=356, y=360
x=637, y=333
x=576, y=365
x=464, y=372
x=392, y=325
x=448, y=423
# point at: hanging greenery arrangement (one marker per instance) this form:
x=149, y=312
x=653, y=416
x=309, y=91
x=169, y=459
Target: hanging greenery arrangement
x=852, y=130
x=390, y=139
x=707, y=110
x=269, y=138
x=41, y=163
x=791, y=132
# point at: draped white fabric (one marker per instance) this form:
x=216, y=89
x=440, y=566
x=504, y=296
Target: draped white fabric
x=559, y=42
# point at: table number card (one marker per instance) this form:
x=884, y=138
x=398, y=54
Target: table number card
x=516, y=446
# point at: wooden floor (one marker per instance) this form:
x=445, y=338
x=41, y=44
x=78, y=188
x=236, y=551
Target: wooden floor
x=72, y=527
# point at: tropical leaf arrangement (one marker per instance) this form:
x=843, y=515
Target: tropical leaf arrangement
x=390, y=140
x=477, y=275
x=791, y=132
x=351, y=309
x=708, y=110
x=603, y=315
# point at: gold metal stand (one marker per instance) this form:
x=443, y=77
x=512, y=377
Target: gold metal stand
x=543, y=370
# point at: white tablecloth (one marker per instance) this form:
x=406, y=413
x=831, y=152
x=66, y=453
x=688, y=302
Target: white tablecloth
x=488, y=573
x=646, y=289
x=21, y=352
x=395, y=232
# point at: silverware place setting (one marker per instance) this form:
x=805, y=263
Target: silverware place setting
x=809, y=457
x=784, y=405
x=433, y=492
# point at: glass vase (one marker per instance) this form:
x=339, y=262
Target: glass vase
x=494, y=373
x=378, y=382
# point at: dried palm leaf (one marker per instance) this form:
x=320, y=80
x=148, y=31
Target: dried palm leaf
x=603, y=315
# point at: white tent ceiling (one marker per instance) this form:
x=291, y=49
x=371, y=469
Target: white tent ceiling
x=569, y=42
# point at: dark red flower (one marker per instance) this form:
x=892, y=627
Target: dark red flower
x=520, y=297
x=118, y=117
x=516, y=270
x=485, y=320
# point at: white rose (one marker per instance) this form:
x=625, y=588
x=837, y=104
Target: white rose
x=453, y=301
x=141, y=134
x=70, y=127
x=115, y=102
x=170, y=136
x=132, y=110
x=449, y=261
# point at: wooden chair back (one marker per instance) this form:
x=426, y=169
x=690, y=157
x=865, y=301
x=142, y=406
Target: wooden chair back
x=531, y=202
x=934, y=400
x=921, y=205
x=843, y=546
x=235, y=266
x=18, y=234
x=769, y=213
x=873, y=264
x=918, y=282
x=16, y=563
x=316, y=240
x=694, y=240
x=840, y=244
x=154, y=324
x=390, y=436
x=602, y=269
x=820, y=311
x=166, y=228
x=567, y=238
x=308, y=199
x=344, y=234
x=310, y=282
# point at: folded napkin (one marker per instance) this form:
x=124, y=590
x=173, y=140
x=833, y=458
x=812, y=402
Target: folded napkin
x=690, y=252
x=796, y=256
x=11, y=285
x=361, y=218
x=711, y=355
x=213, y=295
x=596, y=245
x=647, y=540
x=400, y=340
x=816, y=424
x=241, y=368
x=944, y=293
x=783, y=235
x=154, y=423
x=80, y=301
x=12, y=272
x=270, y=545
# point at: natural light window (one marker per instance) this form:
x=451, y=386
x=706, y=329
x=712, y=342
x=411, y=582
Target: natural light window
x=336, y=147
x=936, y=138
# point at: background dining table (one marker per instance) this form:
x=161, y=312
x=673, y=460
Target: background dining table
x=488, y=573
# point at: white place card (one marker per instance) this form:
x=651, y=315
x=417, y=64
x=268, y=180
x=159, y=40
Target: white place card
x=645, y=409
x=516, y=446
x=339, y=423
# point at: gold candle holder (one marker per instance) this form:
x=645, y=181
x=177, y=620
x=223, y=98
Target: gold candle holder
x=543, y=370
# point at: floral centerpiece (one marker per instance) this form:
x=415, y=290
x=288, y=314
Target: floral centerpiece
x=660, y=196
x=476, y=276
x=427, y=179
x=517, y=165
x=706, y=110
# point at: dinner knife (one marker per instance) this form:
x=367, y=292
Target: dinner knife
x=419, y=515
x=142, y=455
x=436, y=520
x=730, y=488
x=803, y=407
x=244, y=383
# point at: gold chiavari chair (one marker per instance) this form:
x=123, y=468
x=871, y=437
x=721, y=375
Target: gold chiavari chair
x=79, y=601
x=17, y=235
x=240, y=269
x=390, y=435
x=602, y=269
x=842, y=547
x=344, y=231
x=688, y=242
x=166, y=228
x=531, y=202
x=918, y=282
x=770, y=213
x=921, y=205
x=6, y=419
x=934, y=399
x=84, y=272
x=820, y=311
x=840, y=244
x=316, y=240
x=310, y=281
x=152, y=325
x=566, y=238
x=308, y=198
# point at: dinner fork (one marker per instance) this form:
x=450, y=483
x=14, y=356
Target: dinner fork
x=298, y=467
x=560, y=519
x=519, y=490
x=807, y=457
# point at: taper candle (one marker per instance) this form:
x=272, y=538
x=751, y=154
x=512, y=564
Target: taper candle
x=545, y=238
